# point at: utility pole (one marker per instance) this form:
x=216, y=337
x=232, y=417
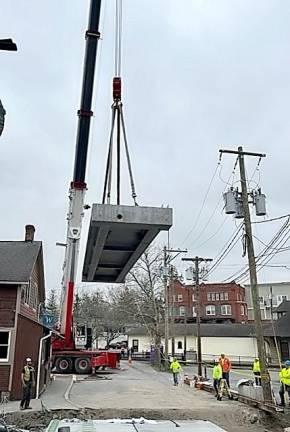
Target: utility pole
x=167, y=275
x=265, y=377
x=197, y=260
x=166, y=296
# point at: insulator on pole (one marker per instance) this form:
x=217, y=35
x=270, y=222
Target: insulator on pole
x=260, y=203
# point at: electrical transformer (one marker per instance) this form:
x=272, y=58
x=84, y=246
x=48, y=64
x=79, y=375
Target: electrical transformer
x=230, y=201
x=239, y=208
x=260, y=203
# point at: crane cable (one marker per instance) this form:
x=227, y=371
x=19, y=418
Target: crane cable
x=118, y=120
x=118, y=37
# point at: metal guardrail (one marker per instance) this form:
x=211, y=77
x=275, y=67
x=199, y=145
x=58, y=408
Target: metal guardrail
x=206, y=359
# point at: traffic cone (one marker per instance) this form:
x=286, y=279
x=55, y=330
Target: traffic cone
x=129, y=360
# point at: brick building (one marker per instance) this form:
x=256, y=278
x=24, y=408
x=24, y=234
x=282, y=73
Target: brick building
x=220, y=302
x=22, y=291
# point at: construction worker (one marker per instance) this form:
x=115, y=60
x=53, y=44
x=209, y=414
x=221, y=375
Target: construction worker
x=217, y=374
x=28, y=381
x=284, y=375
x=176, y=369
x=257, y=372
x=226, y=367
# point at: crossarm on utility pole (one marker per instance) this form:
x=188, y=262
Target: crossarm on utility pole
x=237, y=152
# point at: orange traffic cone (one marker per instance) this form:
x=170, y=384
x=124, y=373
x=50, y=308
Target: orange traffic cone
x=129, y=360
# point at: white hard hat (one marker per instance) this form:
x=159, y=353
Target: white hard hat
x=28, y=359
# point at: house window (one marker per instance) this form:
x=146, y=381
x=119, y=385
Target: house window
x=226, y=295
x=179, y=345
x=179, y=297
x=33, y=299
x=194, y=311
x=222, y=296
x=261, y=300
x=210, y=310
x=135, y=345
x=4, y=345
x=25, y=291
x=281, y=298
x=242, y=310
x=208, y=296
x=226, y=310
x=217, y=296
x=213, y=296
x=182, y=311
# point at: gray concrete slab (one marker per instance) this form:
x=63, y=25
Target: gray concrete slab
x=132, y=426
x=118, y=235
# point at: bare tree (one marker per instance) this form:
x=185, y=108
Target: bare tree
x=99, y=312
x=52, y=303
x=146, y=281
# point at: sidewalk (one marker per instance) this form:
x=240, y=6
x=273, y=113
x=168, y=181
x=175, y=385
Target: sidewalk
x=13, y=406
x=54, y=398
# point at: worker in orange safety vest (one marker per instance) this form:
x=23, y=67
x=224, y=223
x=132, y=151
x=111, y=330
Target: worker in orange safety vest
x=226, y=367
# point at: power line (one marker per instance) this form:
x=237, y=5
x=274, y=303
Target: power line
x=226, y=250
x=217, y=205
x=202, y=205
x=263, y=257
x=214, y=234
x=271, y=220
x=245, y=269
x=270, y=256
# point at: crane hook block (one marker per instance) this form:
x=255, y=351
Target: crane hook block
x=117, y=88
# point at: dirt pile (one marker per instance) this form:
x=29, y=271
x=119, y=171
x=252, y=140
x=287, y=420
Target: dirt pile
x=249, y=420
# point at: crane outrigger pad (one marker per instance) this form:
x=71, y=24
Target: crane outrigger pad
x=118, y=235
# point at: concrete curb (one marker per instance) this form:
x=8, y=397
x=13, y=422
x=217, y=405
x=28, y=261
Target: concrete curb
x=68, y=390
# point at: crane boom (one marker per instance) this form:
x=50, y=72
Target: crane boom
x=78, y=185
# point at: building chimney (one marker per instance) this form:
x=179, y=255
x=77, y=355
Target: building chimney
x=29, y=233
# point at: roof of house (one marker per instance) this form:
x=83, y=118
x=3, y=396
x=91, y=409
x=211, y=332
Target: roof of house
x=207, y=330
x=281, y=327
x=17, y=259
x=283, y=307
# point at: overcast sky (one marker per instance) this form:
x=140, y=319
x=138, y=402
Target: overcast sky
x=198, y=75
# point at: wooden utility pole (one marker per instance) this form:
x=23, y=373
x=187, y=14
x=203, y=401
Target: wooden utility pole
x=167, y=277
x=166, y=296
x=197, y=260
x=265, y=377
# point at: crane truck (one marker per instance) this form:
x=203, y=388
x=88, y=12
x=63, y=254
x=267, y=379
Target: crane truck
x=67, y=357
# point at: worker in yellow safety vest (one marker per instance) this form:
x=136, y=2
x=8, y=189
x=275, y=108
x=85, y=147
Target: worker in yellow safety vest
x=284, y=375
x=28, y=381
x=257, y=372
x=217, y=374
x=176, y=369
